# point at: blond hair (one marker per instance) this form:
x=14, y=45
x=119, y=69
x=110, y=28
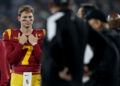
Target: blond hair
x=25, y=8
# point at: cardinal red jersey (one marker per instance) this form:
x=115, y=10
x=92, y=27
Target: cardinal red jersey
x=3, y=65
x=23, y=58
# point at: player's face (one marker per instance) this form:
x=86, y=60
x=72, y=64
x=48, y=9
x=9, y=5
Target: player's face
x=26, y=19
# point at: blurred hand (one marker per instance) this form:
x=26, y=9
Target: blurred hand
x=63, y=75
x=87, y=72
x=22, y=39
x=33, y=39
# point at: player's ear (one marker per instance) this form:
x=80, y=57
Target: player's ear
x=33, y=18
x=18, y=18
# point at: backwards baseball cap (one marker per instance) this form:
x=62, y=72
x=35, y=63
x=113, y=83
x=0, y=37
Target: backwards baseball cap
x=61, y=2
x=88, y=6
x=96, y=14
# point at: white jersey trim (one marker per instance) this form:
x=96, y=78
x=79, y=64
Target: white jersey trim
x=51, y=25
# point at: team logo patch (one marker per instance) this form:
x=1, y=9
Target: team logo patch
x=27, y=82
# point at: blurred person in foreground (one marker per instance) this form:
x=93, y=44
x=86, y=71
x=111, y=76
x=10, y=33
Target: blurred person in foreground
x=82, y=13
x=64, y=45
x=4, y=78
x=62, y=59
x=24, y=51
x=103, y=70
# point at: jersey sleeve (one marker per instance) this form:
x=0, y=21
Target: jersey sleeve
x=13, y=52
x=7, y=35
x=37, y=52
x=4, y=70
x=38, y=46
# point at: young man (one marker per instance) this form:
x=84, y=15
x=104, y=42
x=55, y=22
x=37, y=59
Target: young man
x=24, y=49
x=3, y=67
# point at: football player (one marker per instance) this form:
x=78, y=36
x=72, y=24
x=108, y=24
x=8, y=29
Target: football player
x=24, y=49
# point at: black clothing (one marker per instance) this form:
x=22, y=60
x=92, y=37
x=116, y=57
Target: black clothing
x=113, y=35
x=104, y=64
x=61, y=2
x=64, y=46
x=64, y=50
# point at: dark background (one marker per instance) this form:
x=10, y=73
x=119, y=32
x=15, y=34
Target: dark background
x=9, y=8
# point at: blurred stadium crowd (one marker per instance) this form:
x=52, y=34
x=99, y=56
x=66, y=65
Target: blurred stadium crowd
x=8, y=10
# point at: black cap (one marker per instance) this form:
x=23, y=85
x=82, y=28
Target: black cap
x=61, y=2
x=96, y=14
x=88, y=6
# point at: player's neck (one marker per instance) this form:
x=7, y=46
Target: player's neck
x=26, y=31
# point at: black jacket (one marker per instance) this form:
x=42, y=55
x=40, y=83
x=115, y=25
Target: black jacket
x=64, y=46
x=113, y=35
x=105, y=62
x=63, y=50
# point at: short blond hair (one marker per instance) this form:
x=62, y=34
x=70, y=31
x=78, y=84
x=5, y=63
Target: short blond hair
x=25, y=8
